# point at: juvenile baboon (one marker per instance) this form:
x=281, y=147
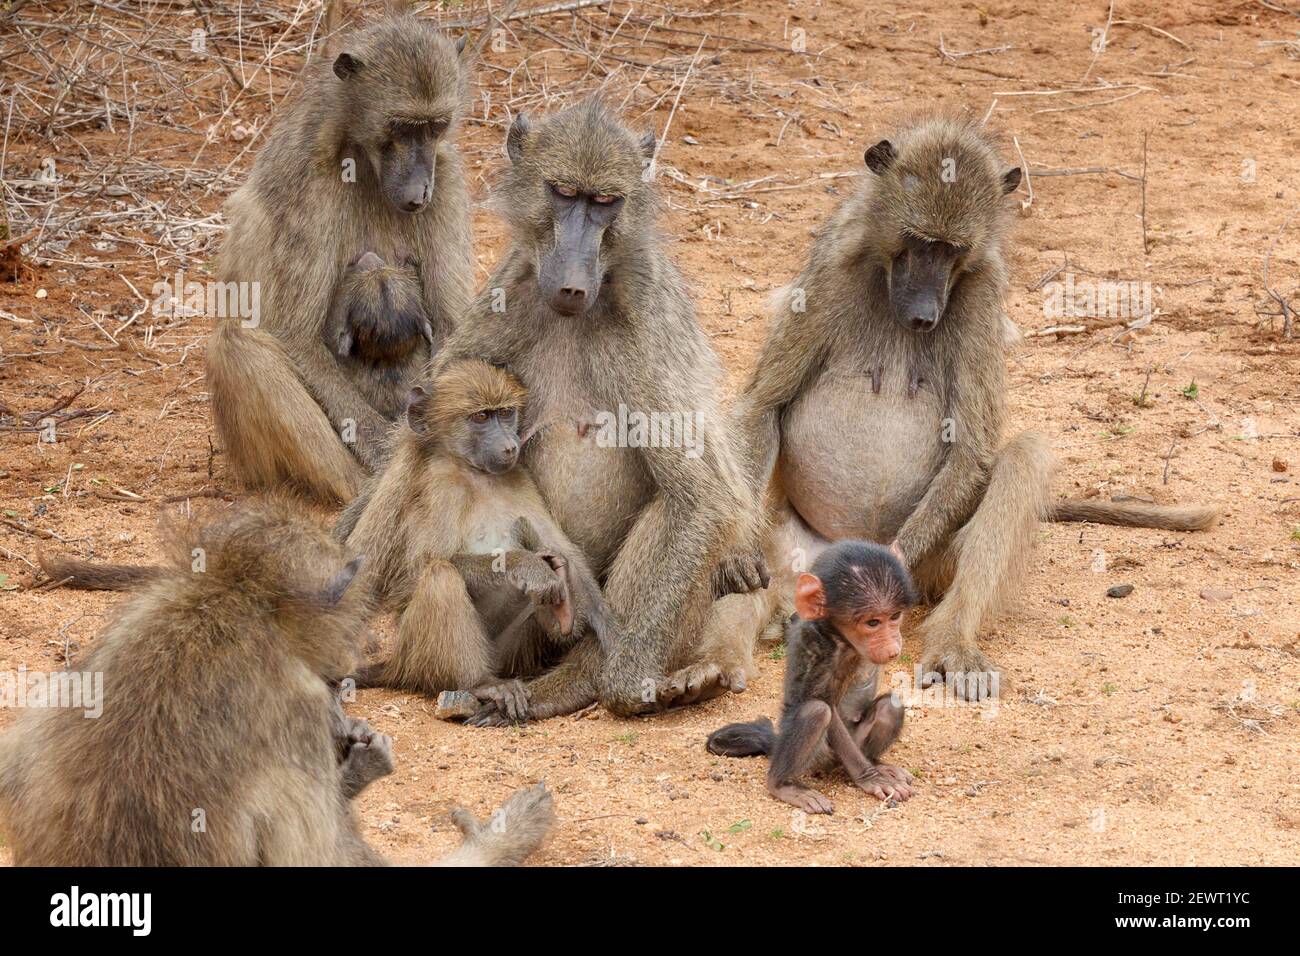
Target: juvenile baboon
x=850, y=608
x=592, y=316
x=362, y=160
x=876, y=409
x=376, y=324
x=459, y=543
x=220, y=742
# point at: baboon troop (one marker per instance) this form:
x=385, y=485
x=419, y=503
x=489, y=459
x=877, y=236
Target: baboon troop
x=539, y=483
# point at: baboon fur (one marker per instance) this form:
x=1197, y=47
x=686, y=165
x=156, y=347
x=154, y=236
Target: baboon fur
x=281, y=403
x=214, y=709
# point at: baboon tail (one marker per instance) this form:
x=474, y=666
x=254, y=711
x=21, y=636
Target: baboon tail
x=743, y=740
x=1135, y=514
x=509, y=836
x=88, y=576
x=273, y=430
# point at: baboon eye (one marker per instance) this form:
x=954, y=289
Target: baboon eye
x=604, y=199
x=481, y=417
x=874, y=622
x=566, y=191
x=896, y=616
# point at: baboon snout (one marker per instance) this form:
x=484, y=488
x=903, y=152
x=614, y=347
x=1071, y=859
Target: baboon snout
x=923, y=323
x=569, y=300
x=416, y=195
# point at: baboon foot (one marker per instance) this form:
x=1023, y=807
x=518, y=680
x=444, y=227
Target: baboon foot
x=369, y=756
x=970, y=674
x=511, y=833
x=886, y=783
x=701, y=681
x=805, y=798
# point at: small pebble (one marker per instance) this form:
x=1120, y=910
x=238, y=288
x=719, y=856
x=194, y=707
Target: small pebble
x=1119, y=591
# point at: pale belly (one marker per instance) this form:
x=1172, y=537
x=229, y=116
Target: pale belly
x=855, y=463
x=594, y=493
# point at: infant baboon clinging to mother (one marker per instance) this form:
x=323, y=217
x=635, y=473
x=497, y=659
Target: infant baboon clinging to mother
x=376, y=324
x=220, y=742
x=487, y=587
x=877, y=406
x=590, y=314
x=362, y=160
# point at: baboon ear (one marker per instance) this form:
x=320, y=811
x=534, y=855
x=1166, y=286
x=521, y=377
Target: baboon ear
x=1010, y=180
x=338, y=585
x=648, y=143
x=346, y=65
x=810, y=597
x=515, y=138
x=460, y=43
x=417, y=404
x=880, y=157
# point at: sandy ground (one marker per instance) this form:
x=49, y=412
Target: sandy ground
x=1159, y=728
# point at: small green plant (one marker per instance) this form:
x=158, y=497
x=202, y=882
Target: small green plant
x=627, y=738
x=778, y=652
x=1295, y=533
x=740, y=826
x=778, y=833
x=1108, y=688
x=710, y=842
x=1065, y=620
x=1192, y=390
x=5, y=585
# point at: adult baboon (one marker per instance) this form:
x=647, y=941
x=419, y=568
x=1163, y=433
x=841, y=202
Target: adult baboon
x=876, y=409
x=587, y=310
x=219, y=741
x=459, y=543
x=362, y=160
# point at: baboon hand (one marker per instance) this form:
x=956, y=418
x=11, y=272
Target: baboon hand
x=369, y=756
x=536, y=579
x=970, y=674
x=562, y=612
x=740, y=574
x=505, y=702
x=700, y=681
x=371, y=427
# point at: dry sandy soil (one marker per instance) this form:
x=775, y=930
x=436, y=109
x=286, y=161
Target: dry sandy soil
x=1157, y=728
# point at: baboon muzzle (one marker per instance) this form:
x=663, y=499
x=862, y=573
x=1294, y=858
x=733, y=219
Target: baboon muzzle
x=569, y=274
x=919, y=280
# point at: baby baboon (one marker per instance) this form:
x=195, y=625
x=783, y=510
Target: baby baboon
x=459, y=542
x=219, y=743
x=850, y=610
x=375, y=326
x=596, y=321
x=363, y=159
x=877, y=406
